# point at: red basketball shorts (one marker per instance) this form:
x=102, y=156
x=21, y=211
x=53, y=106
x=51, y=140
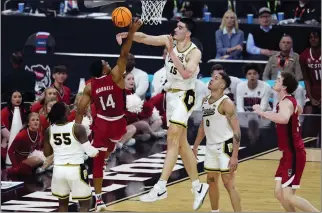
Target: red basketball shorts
x=291, y=168
x=108, y=133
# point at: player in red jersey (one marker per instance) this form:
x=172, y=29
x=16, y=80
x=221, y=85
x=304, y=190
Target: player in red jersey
x=310, y=61
x=291, y=167
x=106, y=91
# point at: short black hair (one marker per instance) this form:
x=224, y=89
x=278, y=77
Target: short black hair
x=96, y=68
x=226, y=78
x=217, y=67
x=60, y=69
x=57, y=112
x=289, y=81
x=251, y=66
x=314, y=32
x=190, y=25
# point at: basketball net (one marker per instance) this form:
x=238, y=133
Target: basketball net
x=152, y=11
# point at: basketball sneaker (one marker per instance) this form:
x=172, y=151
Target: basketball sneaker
x=100, y=206
x=200, y=195
x=156, y=193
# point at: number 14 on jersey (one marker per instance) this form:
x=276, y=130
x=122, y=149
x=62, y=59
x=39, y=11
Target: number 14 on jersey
x=109, y=102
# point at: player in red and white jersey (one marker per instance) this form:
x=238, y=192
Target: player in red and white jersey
x=106, y=91
x=292, y=163
x=310, y=61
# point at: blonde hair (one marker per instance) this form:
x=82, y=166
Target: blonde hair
x=43, y=97
x=223, y=24
x=43, y=110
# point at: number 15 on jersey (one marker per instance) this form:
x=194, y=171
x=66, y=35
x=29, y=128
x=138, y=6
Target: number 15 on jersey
x=109, y=102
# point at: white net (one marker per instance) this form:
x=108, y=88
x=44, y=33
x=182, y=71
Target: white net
x=152, y=11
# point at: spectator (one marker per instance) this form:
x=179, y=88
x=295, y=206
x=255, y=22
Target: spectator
x=231, y=90
x=253, y=91
x=60, y=75
x=261, y=42
x=303, y=10
x=274, y=6
x=310, y=61
x=47, y=94
x=229, y=39
x=15, y=100
x=17, y=79
x=49, y=103
x=285, y=60
x=140, y=77
x=159, y=77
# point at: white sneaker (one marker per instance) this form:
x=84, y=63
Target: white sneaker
x=100, y=206
x=155, y=194
x=131, y=142
x=200, y=195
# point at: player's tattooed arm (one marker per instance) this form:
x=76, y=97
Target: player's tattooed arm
x=232, y=117
x=83, y=104
x=48, y=150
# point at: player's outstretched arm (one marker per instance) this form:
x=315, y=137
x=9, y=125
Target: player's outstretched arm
x=282, y=117
x=119, y=70
x=142, y=38
x=193, y=60
x=48, y=150
x=83, y=104
x=81, y=136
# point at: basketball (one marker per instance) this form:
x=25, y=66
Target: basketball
x=122, y=17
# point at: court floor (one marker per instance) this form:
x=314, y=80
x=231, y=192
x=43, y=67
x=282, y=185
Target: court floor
x=254, y=181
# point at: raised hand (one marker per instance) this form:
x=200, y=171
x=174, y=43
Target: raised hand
x=135, y=25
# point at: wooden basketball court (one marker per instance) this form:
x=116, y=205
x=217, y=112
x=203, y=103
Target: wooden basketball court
x=255, y=182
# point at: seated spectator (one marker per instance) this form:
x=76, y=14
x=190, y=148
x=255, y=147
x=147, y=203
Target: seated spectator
x=253, y=91
x=24, y=151
x=145, y=122
x=15, y=100
x=302, y=10
x=285, y=60
x=310, y=61
x=262, y=42
x=231, y=90
x=141, y=78
x=63, y=93
x=49, y=103
x=229, y=38
x=159, y=77
x=49, y=93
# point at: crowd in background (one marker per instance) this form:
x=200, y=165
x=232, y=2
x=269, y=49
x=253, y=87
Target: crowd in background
x=150, y=122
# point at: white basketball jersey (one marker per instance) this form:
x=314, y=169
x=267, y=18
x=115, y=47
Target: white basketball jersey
x=216, y=125
x=67, y=149
x=173, y=76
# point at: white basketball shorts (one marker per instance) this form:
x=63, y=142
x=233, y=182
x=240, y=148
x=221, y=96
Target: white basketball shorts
x=71, y=178
x=218, y=156
x=180, y=105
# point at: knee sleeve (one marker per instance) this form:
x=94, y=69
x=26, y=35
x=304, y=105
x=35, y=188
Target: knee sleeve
x=98, y=163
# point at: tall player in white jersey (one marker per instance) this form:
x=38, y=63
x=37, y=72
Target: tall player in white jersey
x=220, y=125
x=68, y=142
x=182, y=68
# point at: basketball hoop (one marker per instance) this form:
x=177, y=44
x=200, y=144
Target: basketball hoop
x=152, y=11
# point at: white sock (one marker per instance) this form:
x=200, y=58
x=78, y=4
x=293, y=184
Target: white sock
x=162, y=183
x=215, y=210
x=98, y=197
x=196, y=184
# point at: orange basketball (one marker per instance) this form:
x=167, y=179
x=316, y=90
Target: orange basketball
x=122, y=17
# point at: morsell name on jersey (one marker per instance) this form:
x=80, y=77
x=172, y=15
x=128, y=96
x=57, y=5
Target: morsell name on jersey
x=102, y=89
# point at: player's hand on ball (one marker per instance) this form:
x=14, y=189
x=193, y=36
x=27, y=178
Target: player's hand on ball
x=120, y=36
x=136, y=24
x=233, y=163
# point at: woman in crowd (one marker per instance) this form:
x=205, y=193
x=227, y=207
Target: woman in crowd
x=48, y=104
x=229, y=38
x=147, y=122
x=15, y=100
x=47, y=94
x=24, y=151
